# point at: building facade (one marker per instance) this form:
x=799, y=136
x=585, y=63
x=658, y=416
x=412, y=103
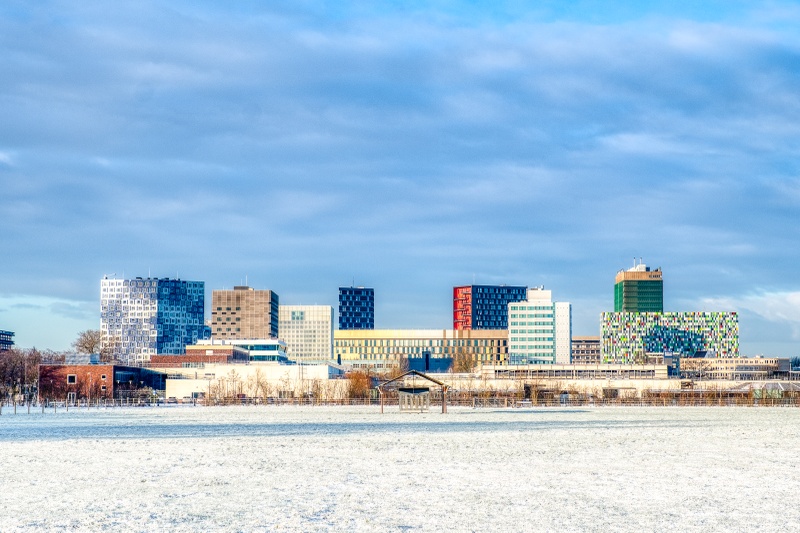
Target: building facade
x=307, y=331
x=148, y=316
x=484, y=306
x=75, y=382
x=384, y=349
x=238, y=350
x=735, y=368
x=356, y=308
x=244, y=313
x=633, y=337
x=639, y=290
x=6, y=340
x=586, y=350
x=539, y=330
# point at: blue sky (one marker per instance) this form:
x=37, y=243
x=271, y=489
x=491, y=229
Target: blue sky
x=410, y=147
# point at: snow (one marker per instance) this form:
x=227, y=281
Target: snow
x=268, y=468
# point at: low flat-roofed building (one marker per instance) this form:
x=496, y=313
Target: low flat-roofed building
x=254, y=350
x=86, y=381
x=575, y=371
x=735, y=368
x=383, y=349
x=256, y=380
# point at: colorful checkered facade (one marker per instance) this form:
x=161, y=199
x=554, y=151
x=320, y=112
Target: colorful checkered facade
x=630, y=337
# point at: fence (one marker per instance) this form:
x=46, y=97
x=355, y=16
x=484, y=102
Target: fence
x=753, y=398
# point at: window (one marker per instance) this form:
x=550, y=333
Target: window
x=72, y=379
x=103, y=377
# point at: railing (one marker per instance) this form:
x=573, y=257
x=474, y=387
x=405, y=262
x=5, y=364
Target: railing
x=676, y=400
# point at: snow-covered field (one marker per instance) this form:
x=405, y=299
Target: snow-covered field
x=353, y=469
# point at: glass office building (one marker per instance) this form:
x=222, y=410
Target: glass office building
x=6, y=340
x=356, y=308
x=639, y=290
x=307, y=331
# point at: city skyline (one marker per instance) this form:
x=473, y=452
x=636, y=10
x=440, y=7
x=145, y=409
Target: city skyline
x=413, y=149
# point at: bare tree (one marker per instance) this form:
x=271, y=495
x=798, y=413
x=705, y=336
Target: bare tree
x=463, y=361
x=94, y=341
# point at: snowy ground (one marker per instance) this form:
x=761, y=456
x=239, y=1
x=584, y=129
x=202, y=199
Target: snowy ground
x=353, y=469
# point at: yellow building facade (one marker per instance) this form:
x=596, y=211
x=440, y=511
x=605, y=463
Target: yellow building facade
x=386, y=348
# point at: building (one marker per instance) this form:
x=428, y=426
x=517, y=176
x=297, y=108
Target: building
x=484, y=306
x=242, y=350
x=255, y=382
x=6, y=340
x=634, y=337
x=356, y=308
x=639, y=290
x=385, y=349
x=586, y=350
x=148, y=316
x=83, y=380
x=735, y=368
x=307, y=331
x=539, y=330
x=244, y=313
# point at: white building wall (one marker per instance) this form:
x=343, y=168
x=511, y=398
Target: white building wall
x=563, y=332
x=255, y=380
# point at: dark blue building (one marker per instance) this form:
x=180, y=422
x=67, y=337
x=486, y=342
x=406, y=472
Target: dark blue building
x=484, y=306
x=6, y=340
x=356, y=308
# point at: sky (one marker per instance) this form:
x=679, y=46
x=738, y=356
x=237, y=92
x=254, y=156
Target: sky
x=406, y=146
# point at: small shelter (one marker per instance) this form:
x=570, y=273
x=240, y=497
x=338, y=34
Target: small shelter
x=415, y=398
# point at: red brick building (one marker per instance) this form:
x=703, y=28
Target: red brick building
x=95, y=381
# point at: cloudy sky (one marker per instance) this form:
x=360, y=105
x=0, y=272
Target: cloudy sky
x=406, y=146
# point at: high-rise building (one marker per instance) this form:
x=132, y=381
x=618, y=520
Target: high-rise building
x=148, y=316
x=484, y=306
x=539, y=330
x=6, y=340
x=356, y=308
x=307, y=331
x=244, y=313
x=633, y=337
x=639, y=290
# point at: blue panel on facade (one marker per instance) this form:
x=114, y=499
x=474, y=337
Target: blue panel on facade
x=490, y=305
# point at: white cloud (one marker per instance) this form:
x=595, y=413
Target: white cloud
x=781, y=307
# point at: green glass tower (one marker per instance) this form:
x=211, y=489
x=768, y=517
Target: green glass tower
x=639, y=290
